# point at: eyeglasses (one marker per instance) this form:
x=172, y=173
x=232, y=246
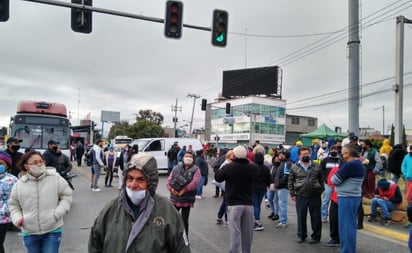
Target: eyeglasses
x=38, y=162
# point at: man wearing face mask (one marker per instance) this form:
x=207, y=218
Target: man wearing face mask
x=51, y=157
x=332, y=160
x=13, y=146
x=306, y=184
x=139, y=220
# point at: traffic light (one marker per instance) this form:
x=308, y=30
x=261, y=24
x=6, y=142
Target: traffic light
x=204, y=103
x=4, y=10
x=82, y=19
x=227, y=108
x=173, y=19
x=219, y=28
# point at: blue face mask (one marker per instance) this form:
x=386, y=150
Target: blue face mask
x=2, y=168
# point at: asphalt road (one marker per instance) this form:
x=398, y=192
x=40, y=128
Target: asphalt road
x=205, y=236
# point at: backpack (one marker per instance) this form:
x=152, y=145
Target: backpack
x=89, y=158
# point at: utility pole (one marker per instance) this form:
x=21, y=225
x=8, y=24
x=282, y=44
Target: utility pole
x=194, y=96
x=175, y=108
x=398, y=87
x=353, y=46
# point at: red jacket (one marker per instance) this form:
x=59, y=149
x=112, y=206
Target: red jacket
x=334, y=195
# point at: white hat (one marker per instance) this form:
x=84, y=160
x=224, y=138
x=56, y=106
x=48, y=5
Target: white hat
x=240, y=152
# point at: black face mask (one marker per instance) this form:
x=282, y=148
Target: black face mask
x=333, y=154
x=15, y=147
x=54, y=148
x=305, y=159
x=276, y=163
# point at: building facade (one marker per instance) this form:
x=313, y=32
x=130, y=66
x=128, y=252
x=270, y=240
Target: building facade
x=251, y=118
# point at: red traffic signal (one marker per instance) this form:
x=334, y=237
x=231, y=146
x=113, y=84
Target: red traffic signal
x=219, y=28
x=173, y=19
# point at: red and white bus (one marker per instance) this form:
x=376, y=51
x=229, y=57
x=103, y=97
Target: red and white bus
x=37, y=122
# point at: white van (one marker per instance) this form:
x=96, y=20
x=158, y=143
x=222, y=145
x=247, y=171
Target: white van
x=158, y=147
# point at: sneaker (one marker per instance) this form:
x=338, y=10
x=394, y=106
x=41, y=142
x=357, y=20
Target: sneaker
x=325, y=220
x=372, y=218
x=407, y=225
x=258, y=227
x=332, y=243
x=275, y=217
x=271, y=215
x=282, y=225
x=198, y=197
x=96, y=189
x=219, y=221
x=387, y=222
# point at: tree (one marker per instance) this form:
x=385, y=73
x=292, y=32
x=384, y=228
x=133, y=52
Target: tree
x=151, y=116
x=145, y=129
x=148, y=124
x=119, y=128
x=392, y=140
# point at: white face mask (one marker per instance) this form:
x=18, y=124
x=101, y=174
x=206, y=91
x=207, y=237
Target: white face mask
x=37, y=171
x=136, y=196
x=187, y=160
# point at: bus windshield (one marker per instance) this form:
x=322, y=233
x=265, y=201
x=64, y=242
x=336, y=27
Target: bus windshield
x=37, y=136
x=36, y=123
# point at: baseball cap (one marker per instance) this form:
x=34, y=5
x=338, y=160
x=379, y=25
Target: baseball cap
x=13, y=139
x=52, y=142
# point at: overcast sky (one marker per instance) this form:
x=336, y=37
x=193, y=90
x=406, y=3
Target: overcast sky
x=128, y=65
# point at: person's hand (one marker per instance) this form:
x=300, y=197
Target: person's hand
x=181, y=192
x=173, y=191
x=20, y=223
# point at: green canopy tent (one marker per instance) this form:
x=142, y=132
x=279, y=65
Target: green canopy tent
x=323, y=132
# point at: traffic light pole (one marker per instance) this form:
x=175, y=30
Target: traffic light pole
x=112, y=12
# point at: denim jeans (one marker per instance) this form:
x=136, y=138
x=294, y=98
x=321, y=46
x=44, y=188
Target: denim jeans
x=325, y=201
x=96, y=169
x=273, y=201
x=257, y=203
x=199, y=189
x=347, y=213
x=46, y=243
x=283, y=195
x=386, y=206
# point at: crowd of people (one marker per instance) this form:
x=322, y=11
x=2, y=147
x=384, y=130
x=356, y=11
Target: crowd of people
x=327, y=180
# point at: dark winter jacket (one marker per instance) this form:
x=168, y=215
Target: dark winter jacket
x=281, y=174
x=239, y=176
x=263, y=179
x=395, y=160
x=305, y=183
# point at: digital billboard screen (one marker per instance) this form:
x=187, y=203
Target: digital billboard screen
x=253, y=81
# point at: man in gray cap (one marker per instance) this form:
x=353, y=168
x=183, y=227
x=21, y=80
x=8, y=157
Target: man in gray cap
x=139, y=220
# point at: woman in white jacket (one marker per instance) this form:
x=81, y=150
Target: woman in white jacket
x=38, y=202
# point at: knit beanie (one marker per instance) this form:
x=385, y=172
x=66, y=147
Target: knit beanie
x=5, y=157
x=240, y=152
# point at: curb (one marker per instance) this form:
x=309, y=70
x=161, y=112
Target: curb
x=387, y=232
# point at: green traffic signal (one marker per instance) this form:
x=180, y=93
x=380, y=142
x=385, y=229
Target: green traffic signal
x=219, y=28
x=220, y=38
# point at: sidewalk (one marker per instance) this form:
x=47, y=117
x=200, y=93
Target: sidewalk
x=396, y=231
